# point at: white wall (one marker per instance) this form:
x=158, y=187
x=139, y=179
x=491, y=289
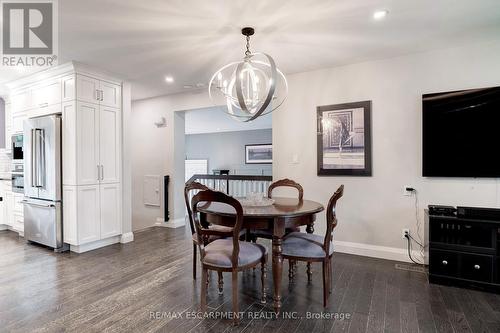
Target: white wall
x=226, y=150
x=373, y=211
x=153, y=152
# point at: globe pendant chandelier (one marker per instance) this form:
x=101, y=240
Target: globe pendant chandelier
x=252, y=87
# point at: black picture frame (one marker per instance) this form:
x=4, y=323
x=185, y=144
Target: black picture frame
x=248, y=148
x=344, y=110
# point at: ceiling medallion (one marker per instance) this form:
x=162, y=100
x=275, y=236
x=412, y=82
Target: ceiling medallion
x=252, y=87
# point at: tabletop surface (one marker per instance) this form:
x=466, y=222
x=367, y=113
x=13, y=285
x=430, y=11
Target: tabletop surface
x=288, y=207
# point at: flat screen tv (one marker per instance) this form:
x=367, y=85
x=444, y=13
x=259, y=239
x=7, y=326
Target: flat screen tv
x=461, y=133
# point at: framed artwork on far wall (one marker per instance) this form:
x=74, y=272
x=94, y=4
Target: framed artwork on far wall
x=259, y=154
x=344, y=139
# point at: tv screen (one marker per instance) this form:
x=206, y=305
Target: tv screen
x=461, y=133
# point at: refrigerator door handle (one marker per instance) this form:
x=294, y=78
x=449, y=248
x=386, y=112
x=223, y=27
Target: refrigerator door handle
x=33, y=158
x=26, y=202
x=39, y=158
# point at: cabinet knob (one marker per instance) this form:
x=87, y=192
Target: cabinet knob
x=445, y=262
x=477, y=267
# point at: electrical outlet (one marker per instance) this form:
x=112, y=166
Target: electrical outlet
x=404, y=232
x=407, y=193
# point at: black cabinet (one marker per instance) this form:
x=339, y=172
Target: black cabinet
x=464, y=252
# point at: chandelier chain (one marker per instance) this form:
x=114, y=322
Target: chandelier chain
x=247, y=52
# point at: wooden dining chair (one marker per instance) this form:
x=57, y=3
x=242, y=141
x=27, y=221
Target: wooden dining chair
x=267, y=234
x=299, y=246
x=226, y=255
x=228, y=232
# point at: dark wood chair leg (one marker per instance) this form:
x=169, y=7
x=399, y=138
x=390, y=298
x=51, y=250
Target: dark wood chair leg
x=263, y=277
x=235, y=297
x=195, y=263
x=203, y=292
x=309, y=272
x=221, y=283
x=325, y=283
x=330, y=264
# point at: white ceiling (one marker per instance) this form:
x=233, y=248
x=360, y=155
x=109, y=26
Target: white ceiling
x=214, y=119
x=189, y=39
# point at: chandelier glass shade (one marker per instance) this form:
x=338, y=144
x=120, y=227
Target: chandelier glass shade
x=251, y=87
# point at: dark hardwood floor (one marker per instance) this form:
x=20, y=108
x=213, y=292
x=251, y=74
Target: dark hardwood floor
x=147, y=286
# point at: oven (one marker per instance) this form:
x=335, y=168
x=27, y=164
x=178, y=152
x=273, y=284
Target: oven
x=17, y=178
x=17, y=147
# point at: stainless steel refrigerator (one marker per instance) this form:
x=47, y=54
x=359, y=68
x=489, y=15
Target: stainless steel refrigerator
x=42, y=181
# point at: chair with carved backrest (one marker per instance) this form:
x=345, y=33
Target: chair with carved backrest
x=226, y=255
x=195, y=186
x=299, y=246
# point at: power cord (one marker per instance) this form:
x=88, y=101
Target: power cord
x=408, y=237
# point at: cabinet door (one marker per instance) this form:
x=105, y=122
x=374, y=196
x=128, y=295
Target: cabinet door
x=87, y=89
x=88, y=214
x=17, y=122
x=109, y=144
x=87, y=125
x=8, y=128
x=69, y=147
x=68, y=91
x=70, y=216
x=111, y=94
x=9, y=208
x=48, y=93
x=110, y=195
x=21, y=101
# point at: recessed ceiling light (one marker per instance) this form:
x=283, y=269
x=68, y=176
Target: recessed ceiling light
x=169, y=79
x=380, y=14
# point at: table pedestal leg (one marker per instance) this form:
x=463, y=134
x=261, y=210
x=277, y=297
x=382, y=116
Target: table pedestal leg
x=277, y=272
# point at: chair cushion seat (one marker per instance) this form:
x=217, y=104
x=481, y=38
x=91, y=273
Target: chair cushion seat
x=299, y=244
x=218, y=253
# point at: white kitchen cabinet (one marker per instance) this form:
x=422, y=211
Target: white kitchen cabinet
x=69, y=152
x=92, y=156
x=109, y=144
x=17, y=122
x=9, y=204
x=21, y=101
x=91, y=213
x=87, y=143
x=87, y=89
x=90, y=103
x=8, y=128
x=47, y=93
x=110, y=94
x=91, y=90
x=88, y=214
x=68, y=88
x=110, y=201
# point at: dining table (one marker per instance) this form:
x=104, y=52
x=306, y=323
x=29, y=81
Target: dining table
x=283, y=214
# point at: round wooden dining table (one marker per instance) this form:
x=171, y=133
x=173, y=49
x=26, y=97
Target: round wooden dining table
x=285, y=213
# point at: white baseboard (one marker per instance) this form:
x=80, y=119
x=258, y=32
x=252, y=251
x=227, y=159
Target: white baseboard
x=95, y=245
x=375, y=251
x=177, y=223
x=4, y=227
x=127, y=237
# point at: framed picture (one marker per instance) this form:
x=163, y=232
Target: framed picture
x=259, y=154
x=344, y=139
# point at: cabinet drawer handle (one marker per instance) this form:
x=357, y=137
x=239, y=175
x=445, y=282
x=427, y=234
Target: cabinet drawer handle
x=445, y=262
x=44, y=105
x=477, y=267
